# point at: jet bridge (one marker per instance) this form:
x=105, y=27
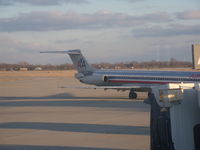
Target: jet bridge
x=175, y=117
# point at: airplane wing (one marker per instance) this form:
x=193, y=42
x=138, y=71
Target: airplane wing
x=122, y=88
x=118, y=88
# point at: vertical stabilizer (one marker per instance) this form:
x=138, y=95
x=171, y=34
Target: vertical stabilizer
x=79, y=61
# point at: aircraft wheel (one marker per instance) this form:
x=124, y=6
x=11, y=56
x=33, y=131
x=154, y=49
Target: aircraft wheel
x=132, y=95
x=149, y=93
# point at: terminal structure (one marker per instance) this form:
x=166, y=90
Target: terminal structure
x=175, y=117
x=196, y=56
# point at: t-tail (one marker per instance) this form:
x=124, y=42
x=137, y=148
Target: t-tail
x=79, y=61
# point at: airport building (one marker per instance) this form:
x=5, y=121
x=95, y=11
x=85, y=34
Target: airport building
x=196, y=56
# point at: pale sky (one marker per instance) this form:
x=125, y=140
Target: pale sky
x=105, y=30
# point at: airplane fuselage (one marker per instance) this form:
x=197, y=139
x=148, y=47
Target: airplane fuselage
x=125, y=79
x=138, y=78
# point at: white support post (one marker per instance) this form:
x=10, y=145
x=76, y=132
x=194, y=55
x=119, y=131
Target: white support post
x=197, y=87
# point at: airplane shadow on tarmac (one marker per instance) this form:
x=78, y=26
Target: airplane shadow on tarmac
x=57, y=96
x=68, y=100
x=40, y=147
x=79, y=127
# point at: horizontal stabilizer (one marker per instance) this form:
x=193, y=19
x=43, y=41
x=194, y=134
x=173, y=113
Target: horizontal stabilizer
x=74, y=51
x=79, y=62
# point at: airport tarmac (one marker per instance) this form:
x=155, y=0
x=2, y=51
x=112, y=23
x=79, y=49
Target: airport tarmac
x=35, y=114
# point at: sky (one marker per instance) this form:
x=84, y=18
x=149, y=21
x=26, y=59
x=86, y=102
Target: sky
x=105, y=30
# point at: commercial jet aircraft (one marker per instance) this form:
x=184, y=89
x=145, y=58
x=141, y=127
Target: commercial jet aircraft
x=132, y=80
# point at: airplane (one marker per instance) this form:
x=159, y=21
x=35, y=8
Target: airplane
x=132, y=80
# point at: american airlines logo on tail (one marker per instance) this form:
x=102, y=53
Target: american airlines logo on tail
x=81, y=63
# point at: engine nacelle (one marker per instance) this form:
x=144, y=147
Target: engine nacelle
x=105, y=78
x=79, y=75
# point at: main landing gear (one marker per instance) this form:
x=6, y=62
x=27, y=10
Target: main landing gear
x=132, y=95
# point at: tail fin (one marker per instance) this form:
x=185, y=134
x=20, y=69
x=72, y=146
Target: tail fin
x=79, y=61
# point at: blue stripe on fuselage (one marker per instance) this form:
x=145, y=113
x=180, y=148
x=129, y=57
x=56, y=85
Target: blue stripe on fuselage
x=147, y=73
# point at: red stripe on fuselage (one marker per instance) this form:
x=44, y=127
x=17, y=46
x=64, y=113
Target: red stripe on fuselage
x=142, y=82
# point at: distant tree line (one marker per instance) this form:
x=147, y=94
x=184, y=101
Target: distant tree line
x=16, y=67
x=173, y=63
